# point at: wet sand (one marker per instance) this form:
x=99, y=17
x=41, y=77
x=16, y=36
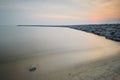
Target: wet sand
x=106, y=69
x=103, y=69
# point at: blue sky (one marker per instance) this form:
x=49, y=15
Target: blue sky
x=13, y=12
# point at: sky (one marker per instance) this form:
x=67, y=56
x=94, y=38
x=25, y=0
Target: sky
x=35, y=12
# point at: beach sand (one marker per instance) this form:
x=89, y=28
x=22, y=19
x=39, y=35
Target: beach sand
x=105, y=69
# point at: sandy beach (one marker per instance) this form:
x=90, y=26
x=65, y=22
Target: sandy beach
x=105, y=69
x=59, y=39
x=61, y=54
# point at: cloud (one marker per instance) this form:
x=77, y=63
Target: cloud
x=60, y=10
x=54, y=16
x=106, y=9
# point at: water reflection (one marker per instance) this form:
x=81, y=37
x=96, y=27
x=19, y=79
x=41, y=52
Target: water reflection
x=20, y=41
x=49, y=48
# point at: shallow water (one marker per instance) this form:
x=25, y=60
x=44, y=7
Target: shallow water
x=49, y=49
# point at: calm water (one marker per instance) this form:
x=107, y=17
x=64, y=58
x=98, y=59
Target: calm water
x=48, y=48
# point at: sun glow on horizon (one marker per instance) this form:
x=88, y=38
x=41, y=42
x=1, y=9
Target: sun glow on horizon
x=59, y=12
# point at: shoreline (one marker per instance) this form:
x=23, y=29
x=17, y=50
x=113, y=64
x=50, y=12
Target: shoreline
x=58, y=66
x=106, y=69
x=109, y=31
x=103, y=69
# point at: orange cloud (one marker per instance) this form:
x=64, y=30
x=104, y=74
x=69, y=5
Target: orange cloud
x=105, y=9
x=55, y=16
x=100, y=10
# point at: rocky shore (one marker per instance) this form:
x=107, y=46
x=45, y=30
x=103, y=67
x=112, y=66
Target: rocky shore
x=109, y=31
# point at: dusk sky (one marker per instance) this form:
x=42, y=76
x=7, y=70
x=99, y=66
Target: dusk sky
x=13, y=12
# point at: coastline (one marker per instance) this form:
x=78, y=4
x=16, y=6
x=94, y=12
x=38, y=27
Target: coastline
x=109, y=31
x=51, y=67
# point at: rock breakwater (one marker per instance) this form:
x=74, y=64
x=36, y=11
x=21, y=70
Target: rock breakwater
x=109, y=31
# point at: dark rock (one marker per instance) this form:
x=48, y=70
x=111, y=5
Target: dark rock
x=32, y=68
x=110, y=31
